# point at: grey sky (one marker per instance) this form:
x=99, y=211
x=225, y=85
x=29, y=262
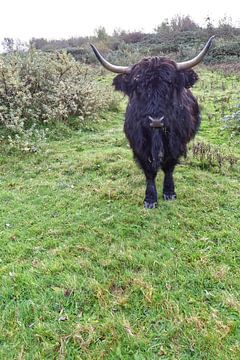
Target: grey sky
x=24, y=19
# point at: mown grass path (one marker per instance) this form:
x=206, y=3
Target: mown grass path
x=87, y=273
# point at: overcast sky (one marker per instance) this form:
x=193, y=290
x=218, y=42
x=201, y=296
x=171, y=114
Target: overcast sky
x=55, y=19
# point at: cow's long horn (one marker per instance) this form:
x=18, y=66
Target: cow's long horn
x=108, y=66
x=197, y=59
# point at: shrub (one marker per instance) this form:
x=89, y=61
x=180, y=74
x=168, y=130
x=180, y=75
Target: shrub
x=225, y=52
x=37, y=87
x=232, y=121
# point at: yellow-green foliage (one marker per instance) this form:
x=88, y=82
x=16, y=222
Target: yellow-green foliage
x=41, y=87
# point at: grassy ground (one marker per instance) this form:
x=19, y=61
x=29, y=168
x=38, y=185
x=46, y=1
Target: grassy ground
x=87, y=273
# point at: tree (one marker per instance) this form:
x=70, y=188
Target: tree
x=163, y=28
x=8, y=44
x=38, y=44
x=225, y=26
x=183, y=23
x=101, y=33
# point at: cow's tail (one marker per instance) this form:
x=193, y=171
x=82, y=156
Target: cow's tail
x=157, y=149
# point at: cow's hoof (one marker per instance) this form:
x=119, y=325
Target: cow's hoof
x=169, y=196
x=150, y=205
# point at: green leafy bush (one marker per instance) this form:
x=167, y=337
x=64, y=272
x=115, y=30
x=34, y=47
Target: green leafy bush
x=225, y=52
x=38, y=88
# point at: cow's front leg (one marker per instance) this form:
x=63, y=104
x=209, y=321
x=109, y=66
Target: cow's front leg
x=151, y=197
x=168, y=182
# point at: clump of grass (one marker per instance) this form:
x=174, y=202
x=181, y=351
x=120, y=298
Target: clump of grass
x=210, y=156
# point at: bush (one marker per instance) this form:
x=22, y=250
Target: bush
x=37, y=87
x=225, y=52
x=232, y=121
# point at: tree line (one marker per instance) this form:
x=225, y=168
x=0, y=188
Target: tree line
x=179, y=36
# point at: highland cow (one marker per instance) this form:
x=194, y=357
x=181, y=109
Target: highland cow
x=162, y=115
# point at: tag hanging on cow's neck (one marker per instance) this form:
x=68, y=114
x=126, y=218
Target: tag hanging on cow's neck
x=156, y=122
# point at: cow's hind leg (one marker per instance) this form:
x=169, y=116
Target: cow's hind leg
x=168, y=183
x=151, y=196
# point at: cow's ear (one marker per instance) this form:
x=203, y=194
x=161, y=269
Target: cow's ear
x=189, y=78
x=122, y=83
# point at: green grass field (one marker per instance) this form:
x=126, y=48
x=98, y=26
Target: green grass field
x=87, y=273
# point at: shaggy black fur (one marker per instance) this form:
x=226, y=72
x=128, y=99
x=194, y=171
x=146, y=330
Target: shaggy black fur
x=157, y=89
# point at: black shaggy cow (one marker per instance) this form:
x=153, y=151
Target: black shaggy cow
x=162, y=115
